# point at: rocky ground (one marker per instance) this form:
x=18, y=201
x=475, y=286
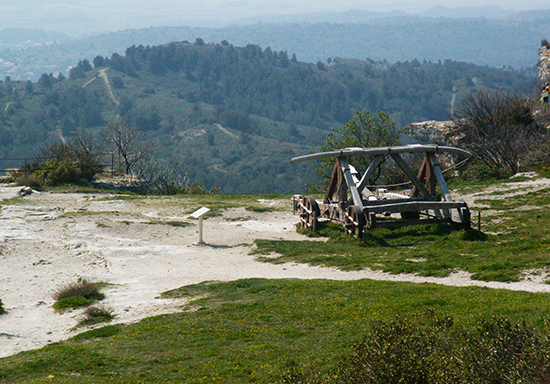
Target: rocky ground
x=49, y=240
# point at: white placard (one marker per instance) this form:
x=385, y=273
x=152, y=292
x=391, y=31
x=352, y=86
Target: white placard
x=200, y=213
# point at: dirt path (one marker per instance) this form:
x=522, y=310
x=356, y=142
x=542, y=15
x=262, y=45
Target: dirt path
x=103, y=74
x=226, y=131
x=50, y=240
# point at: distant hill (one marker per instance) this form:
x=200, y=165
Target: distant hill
x=234, y=115
x=512, y=41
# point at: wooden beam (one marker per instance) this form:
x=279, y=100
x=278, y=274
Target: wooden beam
x=399, y=160
x=351, y=183
x=439, y=177
x=342, y=186
x=332, y=184
x=446, y=194
x=374, y=164
x=426, y=176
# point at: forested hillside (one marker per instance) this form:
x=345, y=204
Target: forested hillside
x=234, y=115
x=503, y=42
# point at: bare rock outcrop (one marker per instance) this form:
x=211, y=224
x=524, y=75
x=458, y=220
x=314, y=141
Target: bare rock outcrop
x=434, y=132
x=544, y=63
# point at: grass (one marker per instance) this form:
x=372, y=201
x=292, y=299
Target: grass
x=257, y=330
x=511, y=242
x=96, y=315
x=265, y=331
x=76, y=295
x=172, y=223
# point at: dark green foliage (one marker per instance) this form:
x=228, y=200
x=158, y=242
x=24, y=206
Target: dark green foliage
x=63, y=163
x=272, y=106
x=2, y=310
x=79, y=71
x=364, y=130
x=117, y=82
x=432, y=350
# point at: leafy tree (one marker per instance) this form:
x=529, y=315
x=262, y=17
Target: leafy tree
x=364, y=130
x=29, y=87
x=117, y=82
x=98, y=61
x=46, y=81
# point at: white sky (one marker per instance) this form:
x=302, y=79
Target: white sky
x=84, y=16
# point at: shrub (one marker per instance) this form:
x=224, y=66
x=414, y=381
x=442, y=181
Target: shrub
x=499, y=129
x=69, y=163
x=29, y=179
x=434, y=350
x=364, y=130
x=77, y=295
x=478, y=171
x=63, y=163
x=2, y=311
x=95, y=315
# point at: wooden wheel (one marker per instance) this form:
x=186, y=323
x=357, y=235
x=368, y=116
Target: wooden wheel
x=370, y=219
x=355, y=221
x=309, y=213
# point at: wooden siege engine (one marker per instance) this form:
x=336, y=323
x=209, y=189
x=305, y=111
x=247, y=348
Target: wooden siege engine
x=350, y=201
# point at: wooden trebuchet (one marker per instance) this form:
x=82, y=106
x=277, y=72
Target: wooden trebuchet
x=358, y=207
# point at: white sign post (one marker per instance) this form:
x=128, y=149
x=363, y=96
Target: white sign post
x=199, y=214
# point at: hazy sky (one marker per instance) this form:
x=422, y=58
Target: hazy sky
x=85, y=16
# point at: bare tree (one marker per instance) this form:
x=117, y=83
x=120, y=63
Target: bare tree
x=130, y=147
x=162, y=178
x=499, y=129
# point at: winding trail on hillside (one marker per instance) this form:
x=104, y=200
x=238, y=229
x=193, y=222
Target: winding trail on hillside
x=226, y=131
x=103, y=74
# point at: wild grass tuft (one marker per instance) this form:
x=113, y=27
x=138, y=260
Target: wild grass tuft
x=95, y=315
x=79, y=294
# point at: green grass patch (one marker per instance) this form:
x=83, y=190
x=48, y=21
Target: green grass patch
x=255, y=330
x=172, y=223
x=511, y=242
x=96, y=315
x=79, y=294
x=72, y=302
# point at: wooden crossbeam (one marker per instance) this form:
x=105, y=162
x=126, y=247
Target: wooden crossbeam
x=405, y=168
x=374, y=164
